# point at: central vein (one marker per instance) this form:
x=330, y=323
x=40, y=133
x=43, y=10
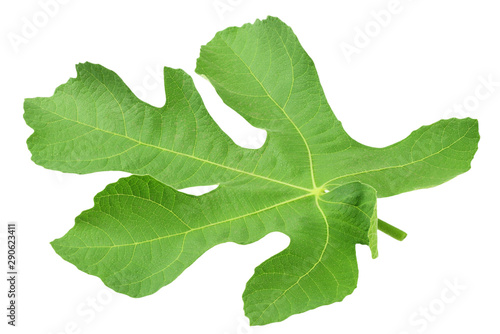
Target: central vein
x=282, y=108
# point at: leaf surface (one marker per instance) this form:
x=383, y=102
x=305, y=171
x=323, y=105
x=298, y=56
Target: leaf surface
x=310, y=180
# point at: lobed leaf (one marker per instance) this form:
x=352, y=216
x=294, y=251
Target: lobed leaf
x=310, y=180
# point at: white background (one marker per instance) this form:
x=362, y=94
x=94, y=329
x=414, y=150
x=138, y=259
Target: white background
x=430, y=57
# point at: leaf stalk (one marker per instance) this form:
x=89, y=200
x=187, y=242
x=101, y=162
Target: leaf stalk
x=391, y=231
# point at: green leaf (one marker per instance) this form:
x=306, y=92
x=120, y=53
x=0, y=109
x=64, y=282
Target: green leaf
x=310, y=180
